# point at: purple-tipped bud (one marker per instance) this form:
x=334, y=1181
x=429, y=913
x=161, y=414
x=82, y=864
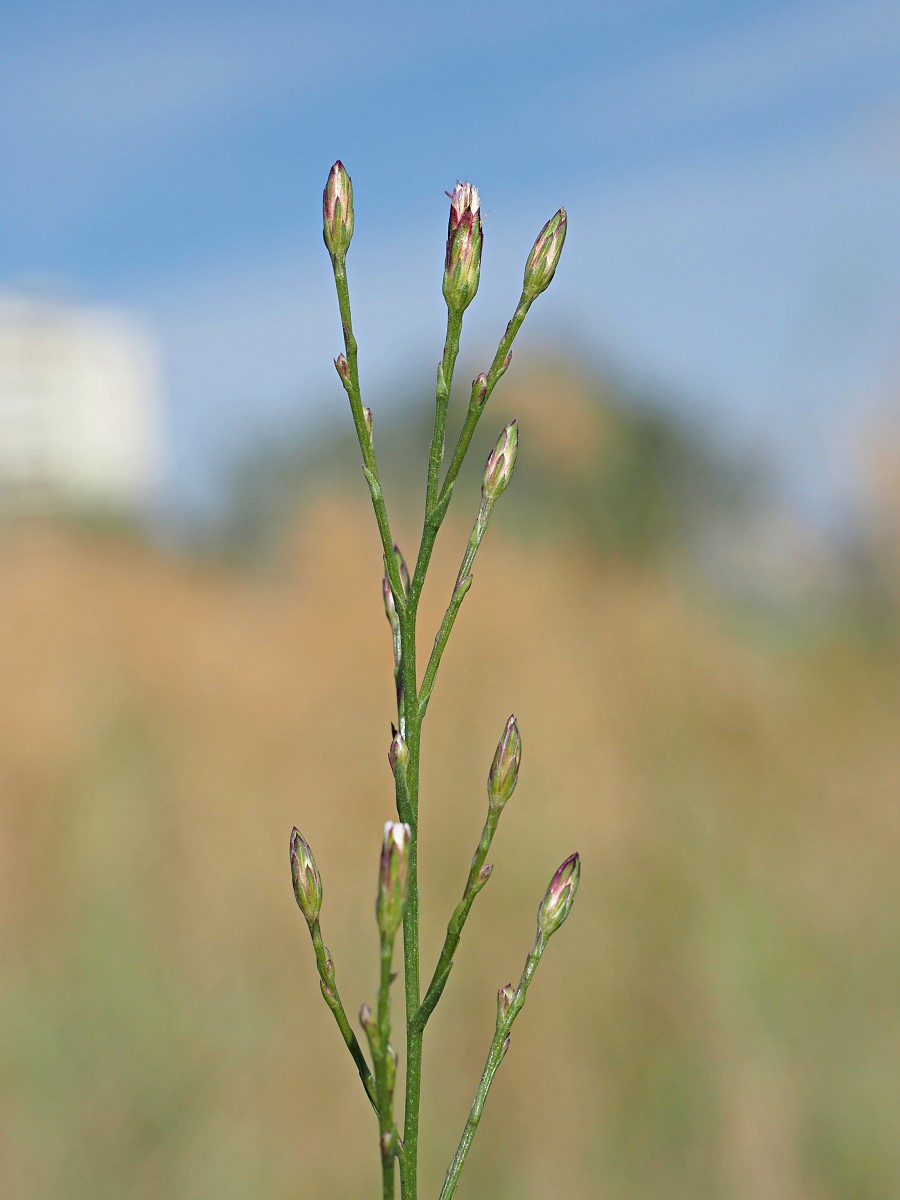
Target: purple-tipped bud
x=544, y=256
x=398, y=752
x=368, y=422
x=499, y=466
x=504, y=773
x=557, y=904
x=337, y=211
x=462, y=263
x=392, y=878
x=504, y=366
x=343, y=370
x=366, y=1019
x=305, y=874
x=484, y=874
x=505, y=997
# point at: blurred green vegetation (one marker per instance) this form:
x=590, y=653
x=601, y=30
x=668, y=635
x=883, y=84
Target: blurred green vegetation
x=719, y=1017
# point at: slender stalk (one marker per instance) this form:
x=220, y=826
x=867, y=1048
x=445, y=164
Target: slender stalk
x=463, y=583
x=370, y=466
x=497, y=1051
x=383, y=1068
x=477, y=402
x=442, y=400
x=332, y=999
x=474, y=884
x=408, y=795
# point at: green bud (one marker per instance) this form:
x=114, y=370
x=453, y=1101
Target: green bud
x=501, y=460
x=343, y=370
x=305, y=874
x=337, y=211
x=462, y=263
x=557, y=904
x=544, y=256
x=505, y=997
x=398, y=752
x=504, y=773
x=392, y=878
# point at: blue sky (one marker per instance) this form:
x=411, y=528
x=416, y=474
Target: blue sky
x=731, y=173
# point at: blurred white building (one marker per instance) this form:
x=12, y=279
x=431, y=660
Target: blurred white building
x=80, y=411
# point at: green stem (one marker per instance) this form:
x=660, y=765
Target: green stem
x=383, y=1067
x=477, y=402
x=474, y=884
x=463, y=583
x=370, y=466
x=408, y=800
x=442, y=400
x=498, y=1049
x=332, y=999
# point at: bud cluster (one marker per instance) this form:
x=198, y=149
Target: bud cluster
x=462, y=263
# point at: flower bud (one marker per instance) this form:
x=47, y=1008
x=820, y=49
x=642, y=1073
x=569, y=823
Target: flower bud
x=501, y=460
x=392, y=878
x=398, y=752
x=462, y=263
x=305, y=874
x=343, y=370
x=402, y=570
x=368, y=422
x=366, y=1019
x=544, y=256
x=479, y=390
x=556, y=905
x=337, y=211
x=505, y=997
x=504, y=773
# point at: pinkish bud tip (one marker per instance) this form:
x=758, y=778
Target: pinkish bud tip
x=337, y=211
x=501, y=461
x=462, y=262
x=544, y=256
x=398, y=751
x=504, y=773
x=557, y=904
x=306, y=879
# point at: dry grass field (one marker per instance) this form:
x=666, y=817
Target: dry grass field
x=720, y=1017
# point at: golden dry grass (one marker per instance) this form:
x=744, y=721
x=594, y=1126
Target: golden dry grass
x=719, y=1017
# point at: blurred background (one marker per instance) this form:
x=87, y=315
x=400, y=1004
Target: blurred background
x=689, y=596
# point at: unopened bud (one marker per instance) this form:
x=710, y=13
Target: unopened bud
x=390, y=607
x=479, y=390
x=398, y=751
x=505, y=997
x=501, y=460
x=343, y=370
x=504, y=773
x=366, y=1019
x=392, y=878
x=402, y=570
x=337, y=211
x=557, y=904
x=483, y=876
x=544, y=256
x=368, y=422
x=504, y=366
x=462, y=263
x=305, y=874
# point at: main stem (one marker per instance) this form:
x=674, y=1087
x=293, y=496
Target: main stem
x=409, y=1166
